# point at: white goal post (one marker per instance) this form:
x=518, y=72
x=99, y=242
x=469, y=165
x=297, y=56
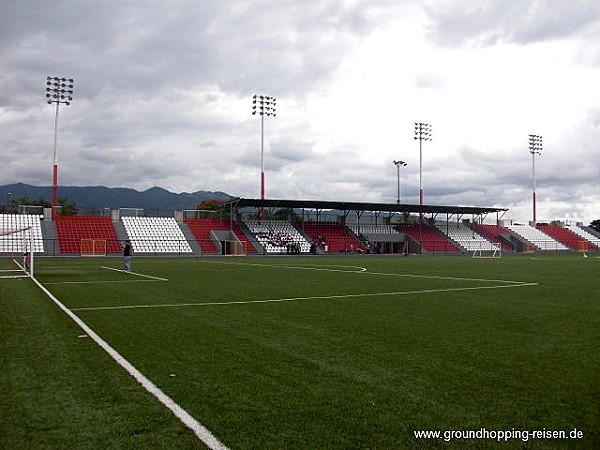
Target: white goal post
x=17, y=253
x=488, y=250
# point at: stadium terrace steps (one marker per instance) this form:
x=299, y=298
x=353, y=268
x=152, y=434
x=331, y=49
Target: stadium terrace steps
x=377, y=233
x=201, y=228
x=71, y=230
x=582, y=233
x=465, y=237
x=429, y=238
x=335, y=236
x=189, y=236
x=567, y=237
x=17, y=221
x=155, y=235
x=537, y=238
x=495, y=233
x=374, y=229
x=278, y=236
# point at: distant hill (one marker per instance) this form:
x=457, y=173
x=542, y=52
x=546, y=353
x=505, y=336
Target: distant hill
x=152, y=199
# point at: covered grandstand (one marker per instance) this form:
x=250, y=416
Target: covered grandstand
x=276, y=226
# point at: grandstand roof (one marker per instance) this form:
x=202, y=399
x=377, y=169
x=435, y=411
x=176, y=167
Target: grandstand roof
x=359, y=206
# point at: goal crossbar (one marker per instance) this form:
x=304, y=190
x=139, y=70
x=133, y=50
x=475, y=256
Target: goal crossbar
x=488, y=250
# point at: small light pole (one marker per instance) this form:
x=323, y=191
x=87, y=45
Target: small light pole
x=58, y=90
x=535, y=148
x=422, y=133
x=263, y=105
x=399, y=164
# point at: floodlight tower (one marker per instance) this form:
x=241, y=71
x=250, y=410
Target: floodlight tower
x=422, y=133
x=263, y=105
x=535, y=148
x=58, y=90
x=399, y=164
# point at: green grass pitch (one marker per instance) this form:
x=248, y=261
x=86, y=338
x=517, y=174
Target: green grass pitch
x=303, y=352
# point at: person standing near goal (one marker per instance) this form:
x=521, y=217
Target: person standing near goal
x=127, y=253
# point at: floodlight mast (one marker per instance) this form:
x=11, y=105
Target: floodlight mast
x=399, y=164
x=422, y=133
x=535, y=148
x=263, y=105
x=58, y=90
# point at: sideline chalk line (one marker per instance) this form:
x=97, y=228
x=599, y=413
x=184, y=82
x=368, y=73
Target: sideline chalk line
x=201, y=432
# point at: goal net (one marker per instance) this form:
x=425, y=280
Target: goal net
x=488, y=250
x=16, y=253
x=93, y=247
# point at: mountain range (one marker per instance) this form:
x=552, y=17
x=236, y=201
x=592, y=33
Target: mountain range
x=155, y=198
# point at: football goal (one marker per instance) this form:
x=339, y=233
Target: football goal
x=488, y=250
x=93, y=247
x=16, y=253
x=582, y=246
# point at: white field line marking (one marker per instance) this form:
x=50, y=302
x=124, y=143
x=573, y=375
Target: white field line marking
x=19, y=273
x=440, y=277
x=135, y=273
x=199, y=430
x=291, y=299
x=363, y=270
x=102, y=282
x=323, y=269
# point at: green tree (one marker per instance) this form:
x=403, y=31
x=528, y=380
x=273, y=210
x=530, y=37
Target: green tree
x=67, y=208
x=210, y=205
x=284, y=214
x=26, y=201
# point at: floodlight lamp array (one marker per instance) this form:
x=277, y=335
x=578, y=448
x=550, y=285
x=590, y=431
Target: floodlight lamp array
x=535, y=144
x=59, y=90
x=399, y=163
x=264, y=105
x=423, y=131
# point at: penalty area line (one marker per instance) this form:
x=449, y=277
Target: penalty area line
x=201, y=432
x=295, y=299
x=101, y=282
x=152, y=277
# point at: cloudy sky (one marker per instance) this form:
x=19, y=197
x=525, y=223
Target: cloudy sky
x=163, y=94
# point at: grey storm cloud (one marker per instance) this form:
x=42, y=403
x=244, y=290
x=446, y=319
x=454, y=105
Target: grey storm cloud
x=115, y=46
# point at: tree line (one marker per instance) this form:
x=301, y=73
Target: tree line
x=65, y=207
